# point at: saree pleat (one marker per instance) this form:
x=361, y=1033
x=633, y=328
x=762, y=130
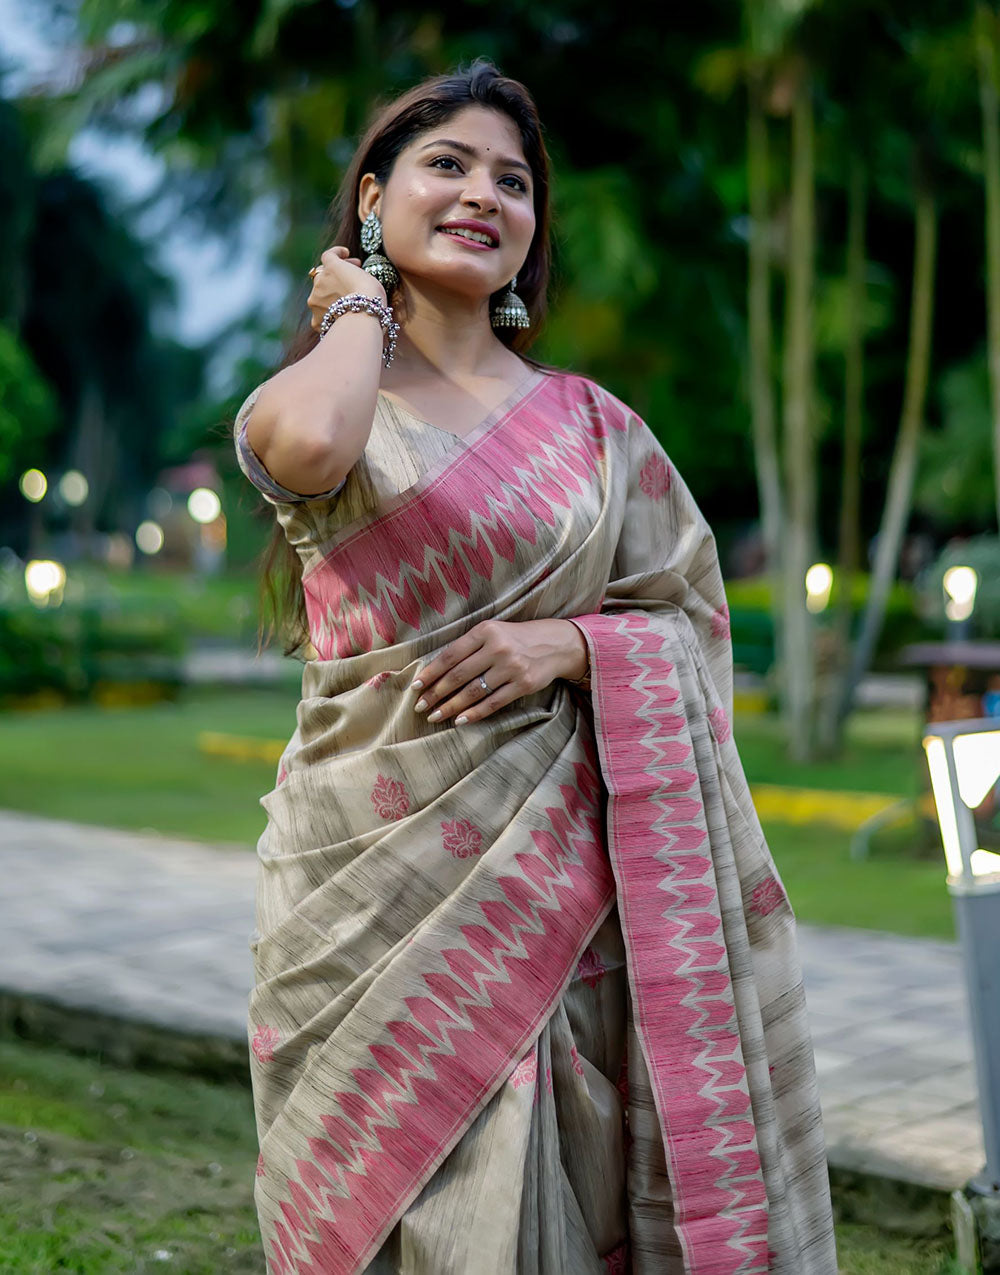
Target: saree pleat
x=527, y=996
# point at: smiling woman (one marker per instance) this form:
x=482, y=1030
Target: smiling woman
x=527, y=997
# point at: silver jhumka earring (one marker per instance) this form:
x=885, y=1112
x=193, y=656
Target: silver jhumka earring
x=511, y=312
x=380, y=267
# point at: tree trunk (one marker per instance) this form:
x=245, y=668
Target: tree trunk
x=799, y=438
x=765, y=443
x=905, y=455
x=986, y=48
x=848, y=549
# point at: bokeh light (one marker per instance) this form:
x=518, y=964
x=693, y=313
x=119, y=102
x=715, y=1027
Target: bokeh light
x=33, y=485
x=44, y=581
x=204, y=505
x=819, y=582
x=960, y=584
x=149, y=536
x=73, y=487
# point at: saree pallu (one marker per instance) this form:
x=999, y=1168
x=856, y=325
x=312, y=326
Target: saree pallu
x=527, y=994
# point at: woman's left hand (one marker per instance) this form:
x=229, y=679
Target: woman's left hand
x=515, y=659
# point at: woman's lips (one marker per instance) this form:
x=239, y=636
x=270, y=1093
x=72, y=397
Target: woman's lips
x=469, y=243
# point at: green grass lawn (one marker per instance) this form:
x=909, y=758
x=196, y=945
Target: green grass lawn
x=106, y=1171
x=882, y=754
x=141, y=768
x=825, y=887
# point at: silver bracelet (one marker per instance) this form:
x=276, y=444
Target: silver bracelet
x=360, y=302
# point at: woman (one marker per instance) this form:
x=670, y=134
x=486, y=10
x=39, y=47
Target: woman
x=527, y=994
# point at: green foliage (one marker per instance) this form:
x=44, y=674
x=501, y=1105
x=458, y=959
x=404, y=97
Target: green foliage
x=78, y=651
x=82, y=645
x=750, y=603
x=956, y=483
x=27, y=408
x=649, y=187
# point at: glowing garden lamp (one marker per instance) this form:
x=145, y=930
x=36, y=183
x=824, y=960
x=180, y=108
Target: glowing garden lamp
x=44, y=581
x=964, y=762
x=960, y=585
x=819, y=582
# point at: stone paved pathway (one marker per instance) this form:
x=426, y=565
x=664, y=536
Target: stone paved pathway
x=157, y=930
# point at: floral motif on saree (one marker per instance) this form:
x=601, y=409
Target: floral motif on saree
x=441, y=909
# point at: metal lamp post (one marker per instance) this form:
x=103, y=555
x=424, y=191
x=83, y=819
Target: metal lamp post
x=964, y=762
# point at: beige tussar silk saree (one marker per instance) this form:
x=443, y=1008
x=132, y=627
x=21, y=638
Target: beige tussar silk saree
x=527, y=996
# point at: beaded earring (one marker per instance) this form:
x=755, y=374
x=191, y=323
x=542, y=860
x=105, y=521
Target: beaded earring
x=511, y=312
x=378, y=266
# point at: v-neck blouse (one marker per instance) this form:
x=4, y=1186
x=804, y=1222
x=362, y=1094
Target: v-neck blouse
x=400, y=449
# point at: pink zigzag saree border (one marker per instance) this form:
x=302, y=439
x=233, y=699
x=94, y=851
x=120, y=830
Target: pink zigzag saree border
x=372, y=1153
x=473, y=509
x=678, y=966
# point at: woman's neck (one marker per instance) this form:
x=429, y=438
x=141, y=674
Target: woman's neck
x=448, y=336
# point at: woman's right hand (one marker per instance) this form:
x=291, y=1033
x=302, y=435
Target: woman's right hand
x=340, y=274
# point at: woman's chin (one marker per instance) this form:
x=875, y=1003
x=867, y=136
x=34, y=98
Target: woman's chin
x=469, y=283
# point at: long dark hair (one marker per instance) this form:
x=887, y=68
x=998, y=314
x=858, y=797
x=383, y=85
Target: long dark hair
x=392, y=127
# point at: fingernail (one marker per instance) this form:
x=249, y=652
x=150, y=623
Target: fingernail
x=419, y=706
x=461, y=720
x=416, y=684
x=435, y=716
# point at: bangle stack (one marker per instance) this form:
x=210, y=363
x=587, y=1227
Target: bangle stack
x=582, y=683
x=360, y=302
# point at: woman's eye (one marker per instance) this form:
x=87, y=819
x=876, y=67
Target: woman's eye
x=448, y=159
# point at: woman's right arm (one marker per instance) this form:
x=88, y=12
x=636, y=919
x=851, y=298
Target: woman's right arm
x=311, y=421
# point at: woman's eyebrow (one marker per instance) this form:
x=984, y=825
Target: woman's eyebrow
x=466, y=149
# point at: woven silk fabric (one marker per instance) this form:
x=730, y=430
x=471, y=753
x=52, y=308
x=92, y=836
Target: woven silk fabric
x=527, y=997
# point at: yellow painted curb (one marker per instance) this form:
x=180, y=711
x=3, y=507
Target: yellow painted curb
x=847, y=810
x=756, y=702
x=239, y=747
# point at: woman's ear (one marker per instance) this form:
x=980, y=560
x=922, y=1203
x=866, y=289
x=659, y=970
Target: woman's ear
x=368, y=194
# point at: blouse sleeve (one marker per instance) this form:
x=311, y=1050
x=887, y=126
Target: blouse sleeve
x=253, y=466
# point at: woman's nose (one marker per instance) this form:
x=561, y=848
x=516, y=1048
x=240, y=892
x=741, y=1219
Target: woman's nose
x=483, y=200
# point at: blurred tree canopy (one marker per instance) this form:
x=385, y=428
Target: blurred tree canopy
x=646, y=124
x=84, y=381
x=770, y=222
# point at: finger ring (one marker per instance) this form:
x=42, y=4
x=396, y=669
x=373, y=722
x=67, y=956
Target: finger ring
x=482, y=683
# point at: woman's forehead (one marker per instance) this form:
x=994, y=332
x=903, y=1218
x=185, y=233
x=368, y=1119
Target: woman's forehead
x=480, y=127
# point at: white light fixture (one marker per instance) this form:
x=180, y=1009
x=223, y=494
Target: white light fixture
x=964, y=762
x=33, y=485
x=819, y=582
x=73, y=487
x=204, y=505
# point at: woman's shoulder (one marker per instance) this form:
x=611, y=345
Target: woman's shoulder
x=580, y=390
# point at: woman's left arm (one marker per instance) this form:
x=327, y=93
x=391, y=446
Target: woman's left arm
x=514, y=658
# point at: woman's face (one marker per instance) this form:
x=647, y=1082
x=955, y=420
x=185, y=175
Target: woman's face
x=470, y=168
